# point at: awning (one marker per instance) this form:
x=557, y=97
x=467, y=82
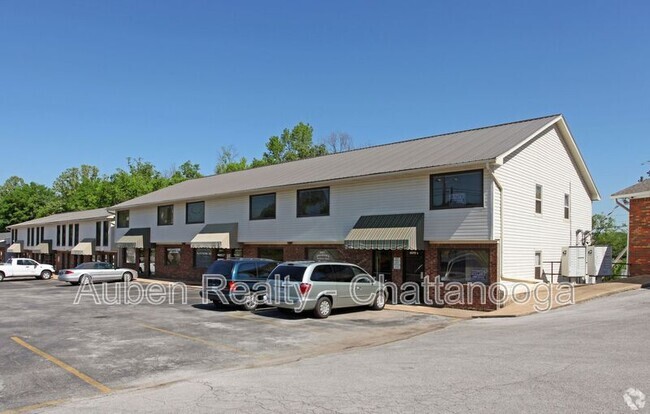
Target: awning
x=135, y=238
x=387, y=232
x=14, y=248
x=216, y=236
x=44, y=247
x=85, y=248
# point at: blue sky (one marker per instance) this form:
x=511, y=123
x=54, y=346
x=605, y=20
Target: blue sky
x=98, y=81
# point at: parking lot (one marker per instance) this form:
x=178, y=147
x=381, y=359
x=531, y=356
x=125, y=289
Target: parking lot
x=53, y=349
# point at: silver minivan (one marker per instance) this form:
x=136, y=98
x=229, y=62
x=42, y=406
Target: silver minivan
x=321, y=287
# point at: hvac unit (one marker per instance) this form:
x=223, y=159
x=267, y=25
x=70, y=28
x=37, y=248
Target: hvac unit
x=599, y=261
x=574, y=261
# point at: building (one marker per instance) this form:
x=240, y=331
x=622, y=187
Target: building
x=474, y=205
x=5, y=241
x=638, y=197
x=67, y=239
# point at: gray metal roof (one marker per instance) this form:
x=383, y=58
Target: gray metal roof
x=636, y=189
x=448, y=149
x=99, y=213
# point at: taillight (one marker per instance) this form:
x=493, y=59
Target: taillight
x=305, y=288
x=69, y=272
x=231, y=286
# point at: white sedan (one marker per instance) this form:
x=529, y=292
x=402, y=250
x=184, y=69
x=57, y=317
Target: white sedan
x=91, y=272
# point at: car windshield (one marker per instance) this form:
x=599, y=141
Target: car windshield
x=294, y=273
x=220, y=267
x=89, y=265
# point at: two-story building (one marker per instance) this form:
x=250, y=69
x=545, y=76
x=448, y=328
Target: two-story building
x=473, y=205
x=67, y=239
x=638, y=198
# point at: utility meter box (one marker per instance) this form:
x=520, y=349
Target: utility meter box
x=599, y=261
x=574, y=261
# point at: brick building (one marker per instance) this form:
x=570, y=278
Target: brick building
x=638, y=197
x=470, y=206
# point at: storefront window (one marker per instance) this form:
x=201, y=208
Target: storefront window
x=273, y=253
x=202, y=257
x=464, y=265
x=323, y=255
x=130, y=255
x=172, y=256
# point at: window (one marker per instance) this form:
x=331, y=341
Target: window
x=58, y=235
x=538, y=265
x=105, y=226
x=98, y=233
x=314, y=202
x=265, y=269
x=202, y=257
x=323, y=255
x=293, y=273
x=70, y=234
x=323, y=273
x=76, y=234
x=172, y=256
x=165, y=215
x=63, y=235
x=273, y=253
x=567, y=206
x=129, y=253
x=38, y=235
x=29, y=237
x=195, y=212
x=247, y=271
x=262, y=207
x=464, y=265
x=538, y=199
x=42, y=233
x=457, y=190
x=123, y=218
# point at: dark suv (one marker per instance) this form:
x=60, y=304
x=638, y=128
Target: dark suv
x=238, y=274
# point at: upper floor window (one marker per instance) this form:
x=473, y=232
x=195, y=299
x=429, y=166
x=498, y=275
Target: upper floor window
x=567, y=206
x=58, y=235
x=123, y=218
x=165, y=215
x=70, y=234
x=314, y=202
x=538, y=199
x=105, y=226
x=262, y=206
x=195, y=212
x=457, y=190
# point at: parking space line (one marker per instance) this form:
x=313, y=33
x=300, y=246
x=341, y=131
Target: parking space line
x=101, y=387
x=194, y=338
x=33, y=407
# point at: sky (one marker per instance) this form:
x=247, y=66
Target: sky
x=95, y=82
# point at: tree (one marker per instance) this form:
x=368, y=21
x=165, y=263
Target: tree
x=291, y=145
x=605, y=231
x=338, y=142
x=22, y=202
x=187, y=171
x=228, y=162
x=141, y=178
x=80, y=188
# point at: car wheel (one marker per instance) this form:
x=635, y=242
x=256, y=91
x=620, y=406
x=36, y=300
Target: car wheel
x=85, y=280
x=323, y=308
x=380, y=301
x=127, y=277
x=74, y=283
x=250, y=304
x=2, y=276
x=46, y=275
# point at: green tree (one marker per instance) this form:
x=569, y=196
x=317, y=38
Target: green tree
x=186, y=171
x=80, y=188
x=605, y=231
x=291, y=145
x=228, y=162
x=140, y=178
x=20, y=202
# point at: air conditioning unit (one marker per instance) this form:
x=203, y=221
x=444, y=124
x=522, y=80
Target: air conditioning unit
x=599, y=261
x=574, y=261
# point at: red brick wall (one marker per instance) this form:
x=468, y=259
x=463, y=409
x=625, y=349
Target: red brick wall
x=431, y=269
x=184, y=271
x=639, y=236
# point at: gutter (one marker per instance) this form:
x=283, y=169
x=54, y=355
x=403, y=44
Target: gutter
x=496, y=181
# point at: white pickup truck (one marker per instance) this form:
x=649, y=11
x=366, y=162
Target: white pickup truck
x=25, y=268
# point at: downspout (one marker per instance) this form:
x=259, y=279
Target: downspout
x=496, y=181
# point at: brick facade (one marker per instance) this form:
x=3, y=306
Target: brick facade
x=639, y=255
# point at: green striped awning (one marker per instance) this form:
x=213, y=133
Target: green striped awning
x=387, y=232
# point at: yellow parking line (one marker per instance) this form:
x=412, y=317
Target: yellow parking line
x=31, y=408
x=101, y=387
x=193, y=338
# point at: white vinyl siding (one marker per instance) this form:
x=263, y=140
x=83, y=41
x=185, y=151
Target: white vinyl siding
x=348, y=201
x=544, y=161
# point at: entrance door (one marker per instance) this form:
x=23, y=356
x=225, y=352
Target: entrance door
x=413, y=265
x=382, y=264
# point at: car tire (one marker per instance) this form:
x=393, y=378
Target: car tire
x=323, y=307
x=46, y=275
x=74, y=283
x=251, y=304
x=380, y=301
x=85, y=280
x=127, y=277
x=2, y=276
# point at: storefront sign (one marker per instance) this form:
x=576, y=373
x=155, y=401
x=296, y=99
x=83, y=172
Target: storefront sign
x=397, y=263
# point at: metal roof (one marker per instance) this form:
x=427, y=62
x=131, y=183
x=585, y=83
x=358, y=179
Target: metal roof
x=475, y=145
x=640, y=189
x=99, y=213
